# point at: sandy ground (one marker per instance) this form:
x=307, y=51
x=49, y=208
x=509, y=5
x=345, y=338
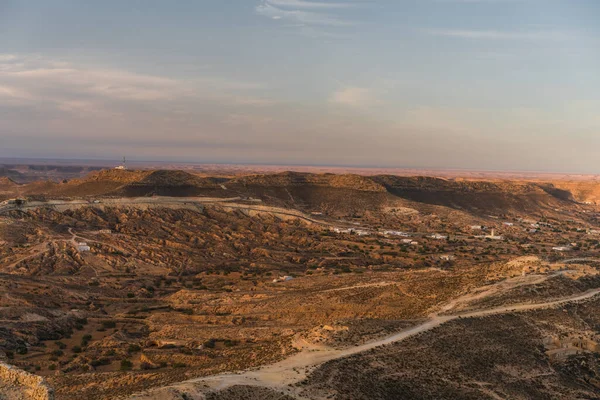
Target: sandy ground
x=280, y=376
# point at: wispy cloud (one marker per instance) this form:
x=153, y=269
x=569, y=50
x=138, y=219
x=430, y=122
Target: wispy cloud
x=354, y=97
x=311, y=18
x=501, y=35
x=308, y=5
x=32, y=80
x=486, y=1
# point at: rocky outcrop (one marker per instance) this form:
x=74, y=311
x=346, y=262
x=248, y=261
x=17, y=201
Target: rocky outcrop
x=23, y=385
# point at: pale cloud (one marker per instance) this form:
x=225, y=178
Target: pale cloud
x=12, y=92
x=7, y=57
x=269, y=10
x=485, y=1
x=302, y=4
x=501, y=35
x=314, y=19
x=39, y=81
x=354, y=97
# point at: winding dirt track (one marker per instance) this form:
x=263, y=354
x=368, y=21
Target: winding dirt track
x=163, y=201
x=281, y=375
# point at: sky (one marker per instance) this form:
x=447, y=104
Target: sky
x=473, y=84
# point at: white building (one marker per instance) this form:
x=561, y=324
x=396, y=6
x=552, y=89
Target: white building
x=493, y=236
x=395, y=233
x=437, y=236
x=82, y=247
x=283, y=279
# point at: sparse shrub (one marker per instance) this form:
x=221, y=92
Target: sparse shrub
x=146, y=366
x=126, y=365
x=179, y=365
x=109, y=324
x=133, y=348
x=99, y=362
x=76, y=349
x=52, y=367
x=130, y=295
x=57, y=353
x=60, y=345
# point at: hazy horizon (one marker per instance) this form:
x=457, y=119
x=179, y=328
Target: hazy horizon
x=495, y=85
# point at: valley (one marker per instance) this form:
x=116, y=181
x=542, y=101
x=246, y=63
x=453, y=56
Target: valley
x=169, y=285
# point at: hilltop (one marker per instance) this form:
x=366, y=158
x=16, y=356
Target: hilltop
x=329, y=193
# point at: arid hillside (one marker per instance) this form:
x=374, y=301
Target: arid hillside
x=325, y=193
x=153, y=283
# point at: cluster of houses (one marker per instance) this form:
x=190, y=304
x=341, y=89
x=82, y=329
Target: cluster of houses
x=395, y=233
x=359, y=232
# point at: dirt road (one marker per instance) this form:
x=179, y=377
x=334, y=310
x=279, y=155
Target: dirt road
x=191, y=202
x=280, y=376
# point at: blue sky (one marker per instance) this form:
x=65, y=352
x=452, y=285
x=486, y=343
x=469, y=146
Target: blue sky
x=478, y=84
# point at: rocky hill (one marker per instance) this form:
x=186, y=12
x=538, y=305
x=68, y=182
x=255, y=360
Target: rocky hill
x=498, y=196
x=335, y=194
x=293, y=179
